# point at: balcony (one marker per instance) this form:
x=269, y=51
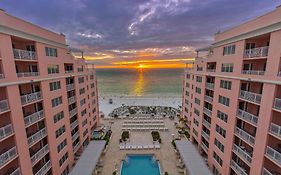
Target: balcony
x=208, y=99
x=253, y=72
x=273, y=155
x=238, y=169
x=252, y=119
x=6, y=131
x=8, y=155
x=27, y=74
x=33, y=118
x=4, y=106
x=206, y=123
x=72, y=112
x=28, y=98
x=245, y=136
x=44, y=168
x=71, y=100
x=2, y=76
x=279, y=74
x=74, y=124
x=39, y=155
x=37, y=136
x=211, y=70
x=205, y=135
x=256, y=52
x=267, y=172
x=24, y=54
x=210, y=86
x=70, y=87
x=16, y=172
x=277, y=104
x=76, y=147
x=207, y=111
x=275, y=130
x=204, y=147
x=75, y=136
x=242, y=154
x=250, y=96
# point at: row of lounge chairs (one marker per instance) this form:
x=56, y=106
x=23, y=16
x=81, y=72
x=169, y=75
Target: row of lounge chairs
x=144, y=121
x=145, y=118
x=145, y=128
x=144, y=125
x=139, y=147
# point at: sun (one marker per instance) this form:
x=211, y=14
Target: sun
x=140, y=66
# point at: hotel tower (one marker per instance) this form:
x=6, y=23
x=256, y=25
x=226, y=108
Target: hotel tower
x=48, y=100
x=232, y=99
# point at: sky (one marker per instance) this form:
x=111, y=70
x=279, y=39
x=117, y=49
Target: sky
x=138, y=33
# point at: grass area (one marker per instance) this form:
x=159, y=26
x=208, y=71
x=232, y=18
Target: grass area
x=156, y=136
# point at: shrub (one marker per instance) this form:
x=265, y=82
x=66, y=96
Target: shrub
x=125, y=135
x=174, y=144
x=166, y=173
x=114, y=173
x=156, y=136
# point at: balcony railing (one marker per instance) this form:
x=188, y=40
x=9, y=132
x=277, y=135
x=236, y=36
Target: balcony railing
x=69, y=71
x=250, y=96
x=16, y=172
x=7, y=156
x=2, y=76
x=37, y=136
x=75, y=136
x=74, y=124
x=204, y=147
x=30, y=97
x=39, y=155
x=207, y=111
x=256, y=52
x=6, y=131
x=44, y=168
x=266, y=172
x=24, y=54
x=277, y=104
x=246, y=136
x=71, y=99
x=76, y=147
x=275, y=130
x=208, y=99
x=279, y=74
x=205, y=135
x=210, y=86
x=73, y=112
x=247, y=116
x=4, y=105
x=69, y=87
x=238, y=169
x=211, y=70
x=273, y=154
x=35, y=117
x=205, y=122
x=243, y=154
x=27, y=74
x=253, y=72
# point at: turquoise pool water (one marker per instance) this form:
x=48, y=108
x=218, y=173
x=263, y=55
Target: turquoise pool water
x=140, y=165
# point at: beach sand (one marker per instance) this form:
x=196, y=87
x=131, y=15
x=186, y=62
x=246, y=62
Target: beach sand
x=106, y=108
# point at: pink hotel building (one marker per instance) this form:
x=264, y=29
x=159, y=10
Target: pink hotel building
x=232, y=99
x=48, y=100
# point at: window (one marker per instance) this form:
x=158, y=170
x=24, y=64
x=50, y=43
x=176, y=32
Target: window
x=83, y=112
x=81, y=91
x=195, y=132
x=195, y=122
x=63, y=159
x=91, y=77
x=227, y=67
x=57, y=117
x=197, y=112
x=229, y=50
x=220, y=130
x=225, y=84
x=198, y=90
x=187, y=76
x=219, y=145
x=80, y=69
x=92, y=85
x=222, y=116
x=187, y=85
x=217, y=158
x=81, y=80
x=224, y=100
x=60, y=131
x=82, y=102
x=199, y=79
x=53, y=69
x=56, y=101
x=55, y=85
x=51, y=52
x=197, y=101
x=93, y=93
x=62, y=145
x=84, y=122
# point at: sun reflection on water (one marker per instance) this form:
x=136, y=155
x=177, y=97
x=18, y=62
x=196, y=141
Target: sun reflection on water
x=139, y=85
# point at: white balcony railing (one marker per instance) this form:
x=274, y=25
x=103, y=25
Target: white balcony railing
x=44, y=168
x=24, y=54
x=210, y=86
x=30, y=97
x=277, y=104
x=4, y=105
x=238, y=169
x=243, y=154
x=69, y=71
x=207, y=111
x=206, y=123
x=208, y=99
x=75, y=136
x=273, y=154
x=6, y=131
x=76, y=147
x=39, y=155
x=69, y=87
x=266, y=172
x=71, y=100
x=204, y=147
x=74, y=124
x=211, y=70
x=275, y=130
x=2, y=76
x=37, y=136
x=244, y=135
x=250, y=96
x=256, y=52
x=16, y=172
x=279, y=74
x=35, y=117
x=7, y=156
x=253, y=72
x=247, y=116
x=72, y=112
x=27, y=74
x=205, y=135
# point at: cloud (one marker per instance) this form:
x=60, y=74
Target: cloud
x=90, y=35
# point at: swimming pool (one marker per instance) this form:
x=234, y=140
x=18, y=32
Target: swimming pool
x=140, y=164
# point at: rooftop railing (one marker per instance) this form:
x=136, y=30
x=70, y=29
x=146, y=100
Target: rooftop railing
x=275, y=130
x=250, y=96
x=242, y=153
x=253, y=72
x=37, y=136
x=247, y=116
x=277, y=103
x=30, y=97
x=6, y=131
x=27, y=74
x=237, y=168
x=245, y=136
x=24, y=54
x=33, y=118
x=4, y=105
x=7, y=156
x=39, y=155
x=256, y=52
x=273, y=154
x=44, y=168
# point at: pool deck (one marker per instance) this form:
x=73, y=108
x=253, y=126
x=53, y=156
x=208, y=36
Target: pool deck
x=166, y=154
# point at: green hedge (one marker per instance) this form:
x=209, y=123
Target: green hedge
x=125, y=135
x=156, y=136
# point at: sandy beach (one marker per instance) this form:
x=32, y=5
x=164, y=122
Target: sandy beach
x=106, y=108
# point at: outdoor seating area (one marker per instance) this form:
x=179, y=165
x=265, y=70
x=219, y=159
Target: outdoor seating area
x=144, y=124
x=128, y=146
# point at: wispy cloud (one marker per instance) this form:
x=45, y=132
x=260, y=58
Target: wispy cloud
x=90, y=35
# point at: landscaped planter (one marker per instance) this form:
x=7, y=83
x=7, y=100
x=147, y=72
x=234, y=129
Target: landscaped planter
x=156, y=136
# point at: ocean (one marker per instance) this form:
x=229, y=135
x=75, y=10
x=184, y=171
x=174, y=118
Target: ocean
x=140, y=82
